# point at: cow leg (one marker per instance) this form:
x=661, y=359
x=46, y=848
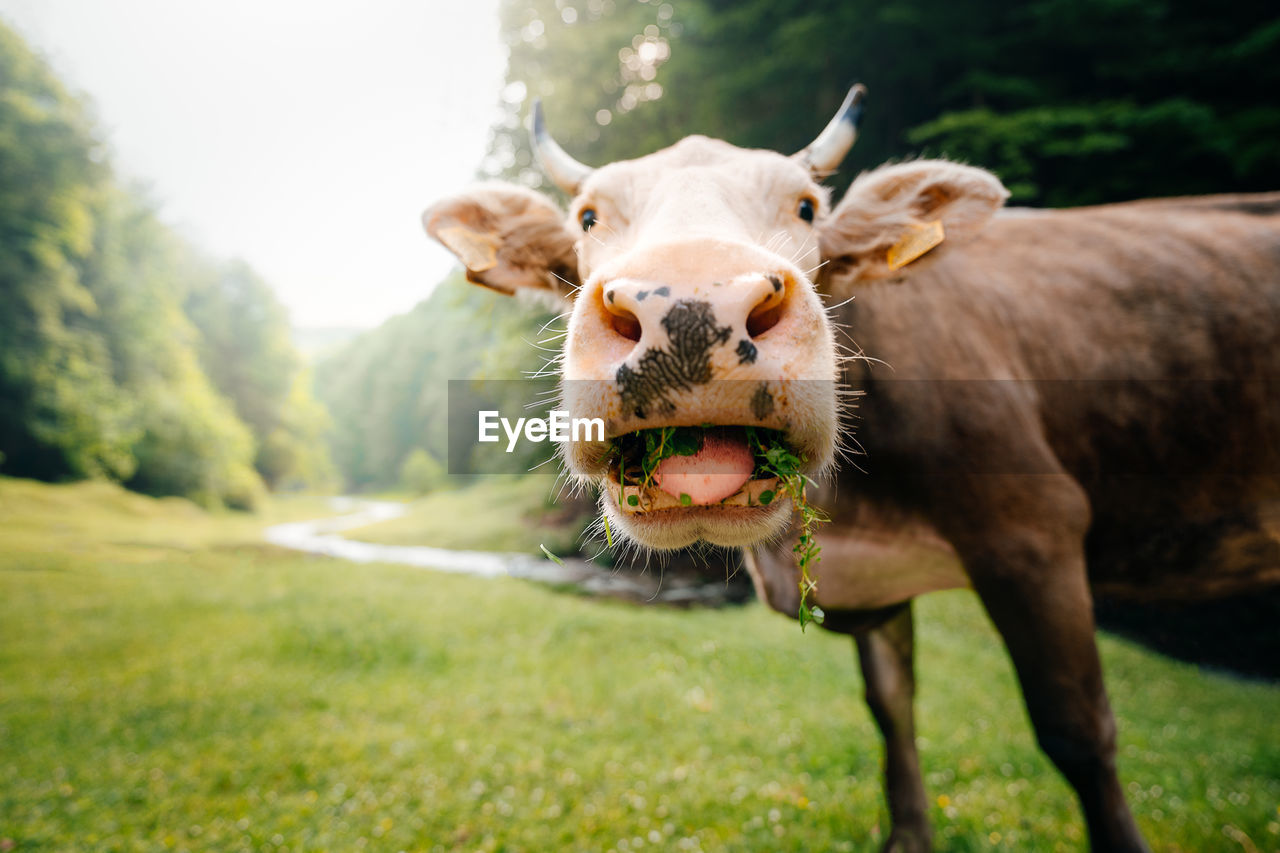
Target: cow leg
x=885, y=654
x=1042, y=607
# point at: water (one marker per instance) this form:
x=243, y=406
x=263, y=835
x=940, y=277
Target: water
x=322, y=536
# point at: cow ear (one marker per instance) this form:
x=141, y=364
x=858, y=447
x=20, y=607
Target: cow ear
x=899, y=217
x=509, y=238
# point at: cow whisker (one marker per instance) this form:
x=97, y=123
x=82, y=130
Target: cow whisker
x=840, y=304
x=542, y=399
x=552, y=363
x=785, y=238
x=563, y=315
x=537, y=345
x=544, y=372
x=574, y=287
x=540, y=464
x=809, y=272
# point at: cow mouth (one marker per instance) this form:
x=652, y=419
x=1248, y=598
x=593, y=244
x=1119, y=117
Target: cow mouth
x=711, y=469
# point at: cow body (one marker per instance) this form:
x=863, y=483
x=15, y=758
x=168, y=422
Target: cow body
x=1047, y=402
x=1131, y=349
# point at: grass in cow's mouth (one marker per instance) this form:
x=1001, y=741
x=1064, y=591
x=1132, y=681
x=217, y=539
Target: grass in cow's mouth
x=637, y=455
x=775, y=458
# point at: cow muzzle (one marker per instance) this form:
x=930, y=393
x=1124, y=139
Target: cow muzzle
x=720, y=348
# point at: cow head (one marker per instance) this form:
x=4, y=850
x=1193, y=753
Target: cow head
x=691, y=274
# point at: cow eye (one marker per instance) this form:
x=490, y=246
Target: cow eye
x=806, y=210
x=587, y=218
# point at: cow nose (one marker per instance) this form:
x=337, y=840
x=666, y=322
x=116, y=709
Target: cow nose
x=753, y=303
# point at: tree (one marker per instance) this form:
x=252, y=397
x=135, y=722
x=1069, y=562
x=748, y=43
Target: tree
x=187, y=439
x=1070, y=101
x=389, y=388
x=59, y=413
x=103, y=372
x=246, y=349
x=422, y=473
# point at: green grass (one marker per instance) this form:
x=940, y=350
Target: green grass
x=167, y=684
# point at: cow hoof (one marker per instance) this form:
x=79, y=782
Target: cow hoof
x=903, y=840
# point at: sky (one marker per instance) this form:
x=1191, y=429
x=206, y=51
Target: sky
x=304, y=137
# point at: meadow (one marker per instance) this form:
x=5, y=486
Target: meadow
x=168, y=682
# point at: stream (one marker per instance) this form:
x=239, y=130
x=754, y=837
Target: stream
x=323, y=536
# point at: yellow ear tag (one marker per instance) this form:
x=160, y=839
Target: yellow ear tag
x=478, y=252
x=919, y=239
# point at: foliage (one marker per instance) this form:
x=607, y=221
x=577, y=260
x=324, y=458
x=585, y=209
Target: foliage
x=189, y=441
x=58, y=412
x=590, y=75
x=389, y=389
x=167, y=683
x=422, y=473
x=638, y=454
x=190, y=447
x=774, y=458
x=1070, y=101
x=295, y=454
x=124, y=353
x=246, y=348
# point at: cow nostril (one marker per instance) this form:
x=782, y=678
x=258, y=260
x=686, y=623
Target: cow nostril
x=624, y=323
x=763, y=319
x=621, y=319
x=767, y=314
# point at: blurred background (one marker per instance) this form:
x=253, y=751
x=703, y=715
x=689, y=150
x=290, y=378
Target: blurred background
x=214, y=277
x=218, y=308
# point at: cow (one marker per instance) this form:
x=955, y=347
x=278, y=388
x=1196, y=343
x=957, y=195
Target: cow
x=1036, y=404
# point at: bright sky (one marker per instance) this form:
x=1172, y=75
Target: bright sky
x=304, y=137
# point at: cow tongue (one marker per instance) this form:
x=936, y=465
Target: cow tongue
x=718, y=470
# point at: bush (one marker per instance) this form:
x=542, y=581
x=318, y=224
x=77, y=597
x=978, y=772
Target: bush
x=422, y=473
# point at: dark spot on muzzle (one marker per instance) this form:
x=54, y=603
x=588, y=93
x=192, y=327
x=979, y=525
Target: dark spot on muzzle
x=642, y=295
x=662, y=291
x=776, y=282
x=762, y=402
x=747, y=352
x=693, y=335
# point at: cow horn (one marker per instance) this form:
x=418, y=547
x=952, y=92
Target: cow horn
x=824, y=154
x=567, y=173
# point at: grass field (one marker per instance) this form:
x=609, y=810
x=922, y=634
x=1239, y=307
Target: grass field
x=167, y=683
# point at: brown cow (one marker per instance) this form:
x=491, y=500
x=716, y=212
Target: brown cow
x=1049, y=400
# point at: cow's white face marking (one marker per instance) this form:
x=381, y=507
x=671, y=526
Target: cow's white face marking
x=698, y=188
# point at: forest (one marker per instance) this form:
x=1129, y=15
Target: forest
x=126, y=353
